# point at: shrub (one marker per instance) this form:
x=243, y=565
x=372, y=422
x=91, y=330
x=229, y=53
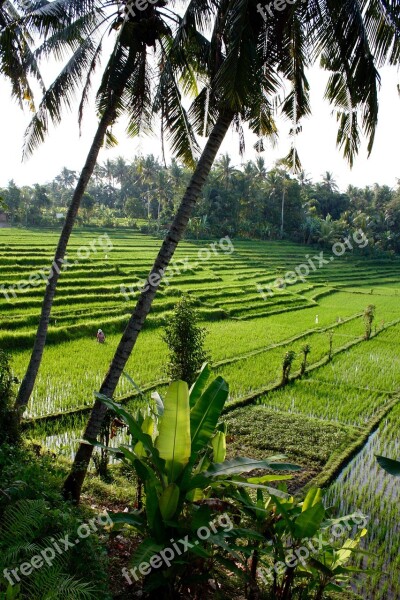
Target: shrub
x=178, y=452
x=9, y=428
x=369, y=316
x=287, y=366
x=200, y=526
x=185, y=340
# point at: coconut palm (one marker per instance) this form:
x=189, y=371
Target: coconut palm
x=20, y=24
x=278, y=182
x=260, y=168
x=329, y=182
x=248, y=56
x=304, y=178
x=226, y=171
x=125, y=88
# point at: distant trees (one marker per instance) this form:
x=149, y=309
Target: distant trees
x=12, y=198
x=249, y=202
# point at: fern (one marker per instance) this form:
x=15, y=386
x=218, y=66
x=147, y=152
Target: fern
x=23, y=530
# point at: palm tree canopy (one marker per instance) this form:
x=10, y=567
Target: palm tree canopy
x=147, y=48
x=19, y=27
x=255, y=53
x=241, y=55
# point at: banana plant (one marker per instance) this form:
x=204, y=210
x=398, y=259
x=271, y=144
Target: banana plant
x=389, y=465
x=303, y=548
x=179, y=453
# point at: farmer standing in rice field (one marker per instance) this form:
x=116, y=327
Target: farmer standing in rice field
x=100, y=337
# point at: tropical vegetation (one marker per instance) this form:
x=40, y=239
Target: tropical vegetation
x=296, y=305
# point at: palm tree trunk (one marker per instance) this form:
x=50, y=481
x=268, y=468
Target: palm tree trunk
x=282, y=211
x=107, y=119
x=74, y=481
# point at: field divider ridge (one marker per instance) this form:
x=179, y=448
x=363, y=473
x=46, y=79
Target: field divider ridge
x=241, y=401
x=233, y=359
x=338, y=461
x=250, y=398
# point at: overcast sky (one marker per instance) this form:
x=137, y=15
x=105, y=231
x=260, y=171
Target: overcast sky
x=316, y=144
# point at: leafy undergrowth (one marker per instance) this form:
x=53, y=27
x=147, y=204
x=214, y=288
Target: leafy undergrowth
x=257, y=432
x=31, y=481
x=34, y=519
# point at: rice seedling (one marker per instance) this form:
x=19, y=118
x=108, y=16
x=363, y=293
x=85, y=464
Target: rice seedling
x=364, y=486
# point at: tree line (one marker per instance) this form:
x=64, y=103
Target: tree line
x=250, y=202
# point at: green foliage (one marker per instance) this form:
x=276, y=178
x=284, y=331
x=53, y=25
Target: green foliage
x=245, y=203
x=287, y=365
x=301, y=559
x=9, y=428
x=369, y=316
x=185, y=341
x=26, y=531
x=389, y=465
x=184, y=486
x=32, y=516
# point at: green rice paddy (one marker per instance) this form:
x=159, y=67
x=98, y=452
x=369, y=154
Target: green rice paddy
x=310, y=419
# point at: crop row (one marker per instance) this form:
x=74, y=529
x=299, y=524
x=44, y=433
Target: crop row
x=365, y=487
x=351, y=388
x=71, y=371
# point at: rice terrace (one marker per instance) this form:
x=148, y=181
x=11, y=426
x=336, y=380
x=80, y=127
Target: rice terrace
x=320, y=421
x=199, y=300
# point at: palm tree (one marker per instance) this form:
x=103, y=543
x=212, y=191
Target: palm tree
x=226, y=171
x=125, y=87
x=68, y=177
x=120, y=169
x=17, y=62
x=329, y=182
x=20, y=24
x=304, y=178
x=248, y=55
x=278, y=182
x=260, y=169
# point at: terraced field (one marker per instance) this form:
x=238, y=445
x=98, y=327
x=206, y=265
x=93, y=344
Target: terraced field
x=314, y=420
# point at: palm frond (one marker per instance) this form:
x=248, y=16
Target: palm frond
x=178, y=128
x=59, y=95
x=119, y=68
x=88, y=82
x=231, y=82
x=137, y=97
x=347, y=41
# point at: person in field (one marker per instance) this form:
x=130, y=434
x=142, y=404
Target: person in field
x=101, y=338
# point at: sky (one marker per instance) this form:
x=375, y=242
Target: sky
x=316, y=144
